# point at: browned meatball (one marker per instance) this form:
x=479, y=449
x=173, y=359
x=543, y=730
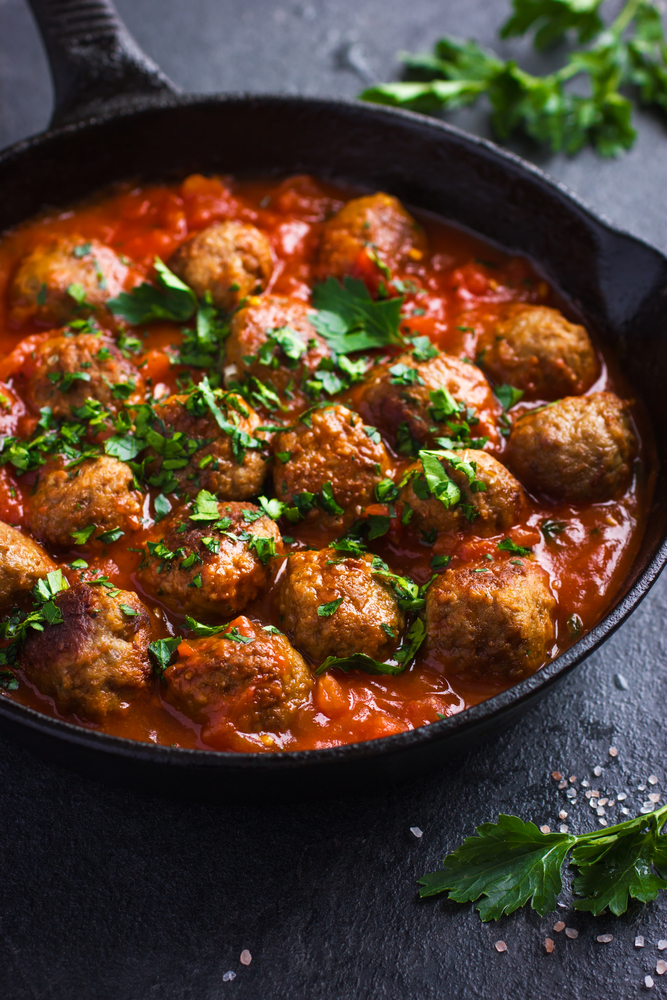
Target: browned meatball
x=231, y=463
x=51, y=280
x=253, y=352
x=65, y=371
x=22, y=563
x=376, y=222
x=96, y=660
x=228, y=259
x=578, y=449
x=487, y=620
x=368, y=619
x=334, y=449
x=490, y=501
x=257, y=686
x=536, y=349
x=98, y=494
x=211, y=567
x=404, y=405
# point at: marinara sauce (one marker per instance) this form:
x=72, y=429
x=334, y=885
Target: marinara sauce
x=463, y=282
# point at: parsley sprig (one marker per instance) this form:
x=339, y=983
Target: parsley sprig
x=510, y=863
x=630, y=52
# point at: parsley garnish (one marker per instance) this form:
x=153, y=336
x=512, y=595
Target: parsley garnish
x=204, y=508
x=507, y=396
x=350, y=320
x=17, y=624
x=507, y=545
x=361, y=661
x=168, y=298
x=510, y=863
x=161, y=653
x=630, y=51
x=327, y=610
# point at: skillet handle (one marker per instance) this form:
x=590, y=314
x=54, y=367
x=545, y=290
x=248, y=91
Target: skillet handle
x=95, y=63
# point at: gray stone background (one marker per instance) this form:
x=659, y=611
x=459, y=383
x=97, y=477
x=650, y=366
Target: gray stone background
x=110, y=896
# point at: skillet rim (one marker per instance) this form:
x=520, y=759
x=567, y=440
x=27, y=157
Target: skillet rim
x=527, y=690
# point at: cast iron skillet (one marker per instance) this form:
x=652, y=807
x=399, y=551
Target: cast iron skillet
x=117, y=116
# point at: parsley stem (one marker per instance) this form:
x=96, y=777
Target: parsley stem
x=660, y=816
x=625, y=17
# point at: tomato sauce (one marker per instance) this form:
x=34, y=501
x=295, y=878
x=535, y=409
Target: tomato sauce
x=463, y=282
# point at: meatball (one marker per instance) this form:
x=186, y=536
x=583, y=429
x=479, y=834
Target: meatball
x=66, y=278
x=258, y=685
x=336, y=449
x=377, y=222
x=231, y=463
x=536, y=349
x=578, y=449
x=491, y=500
x=409, y=408
x=22, y=563
x=252, y=350
x=95, y=660
x=228, y=259
x=66, y=371
x=491, y=620
x=212, y=566
x=96, y=494
x=368, y=619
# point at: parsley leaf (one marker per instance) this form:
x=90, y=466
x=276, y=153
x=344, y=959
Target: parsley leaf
x=360, y=661
x=205, y=507
x=168, y=299
x=350, y=320
x=327, y=610
x=161, y=653
x=507, y=545
x=510, y=863
x=507, y=395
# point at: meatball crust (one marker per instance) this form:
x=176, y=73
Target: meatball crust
x=250, y=355
x=66, y=371
x=491, y=620
x=209, y=569
x=334, y=449
x=258, y=685
x=39, y=289
x=95, y=660
x=536, y=349
x=22, y=563
x=98, y=492
x=484, y=512
x=377, y=221
x=578, y=449
x=368, y=620
x=228, y=259
x=215, y=465
x=386, y=401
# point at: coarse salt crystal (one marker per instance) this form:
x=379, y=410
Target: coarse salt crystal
x=620, y=682
x=500, y=946
x=416, y=831
x=559, y=926
x=646, y=808
x=556, y=775
x=564, y=828
x=613, y=752
x=246, y=957
x=573, y=778
x=648, y=982
x=662, y=945
x=641, y=788
x=571, y=793
x=602, y=821
x=661, y=967
x=626, y=812
x=653, y=779
x=639, y=941
x=595, y=794
x=562, y=785
x=622, y=796
x=228, y=976
x=605, y=938
x=571, y=933
x=654, y=797
x=548, y=945
x=597, y=770
x=584, y=784
x=545, y=829
x=603, y=802
x=562, y=814
x=600, y=811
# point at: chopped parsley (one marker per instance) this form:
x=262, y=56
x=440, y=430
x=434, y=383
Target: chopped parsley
x=327, y=610
x=168, y=299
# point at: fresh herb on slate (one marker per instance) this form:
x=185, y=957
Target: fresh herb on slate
x=510, y=863
x=629, y=52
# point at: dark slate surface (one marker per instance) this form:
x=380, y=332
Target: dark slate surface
x=110, y=896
